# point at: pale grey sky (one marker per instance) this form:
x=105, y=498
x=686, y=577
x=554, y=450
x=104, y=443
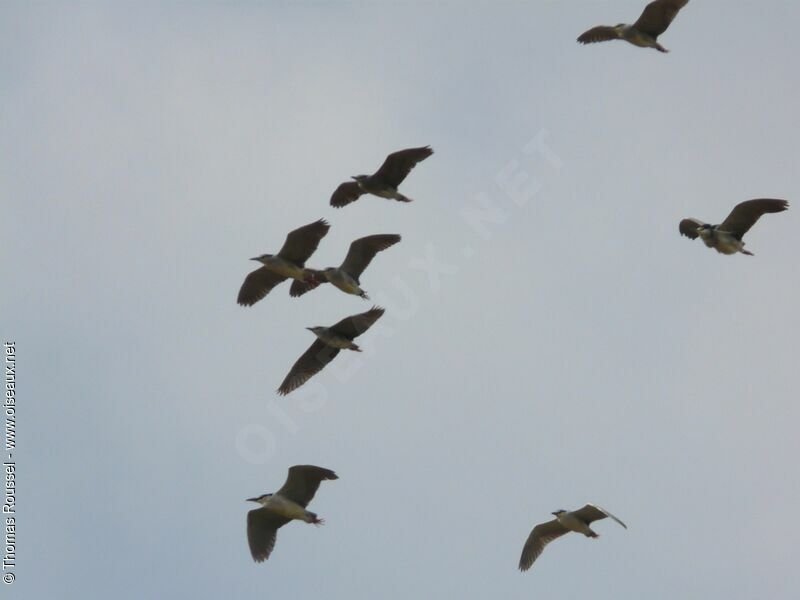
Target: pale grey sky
x=569, y=347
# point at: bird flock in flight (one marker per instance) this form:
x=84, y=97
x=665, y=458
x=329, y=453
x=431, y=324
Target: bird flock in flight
x=290, y=501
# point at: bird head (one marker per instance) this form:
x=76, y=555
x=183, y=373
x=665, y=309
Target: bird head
x=559, y=512
x=263, y=258
x=705, y=230
x=316, y=330
x=262, y=499
x=360, y=178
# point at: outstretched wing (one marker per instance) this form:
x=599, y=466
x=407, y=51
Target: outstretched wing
x=745, y=214
x=262, y=529
x=301, y=243
x=345, y=194
x=258, y=284
x=590, y=513
x=688, y=227
x=542, y=534
x=398, y=164
x=363, y=250
x=601, y=33
x=303, y=482
x=309, y=364
x=353, y=326
x=657, y=16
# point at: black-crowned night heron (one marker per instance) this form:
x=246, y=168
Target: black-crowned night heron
x=288, y=263
x=565, y=521
x=654, y=21
x=726, y=238
x=346, y=276
x=287, y=504
x=385, y=181
x=327, y=345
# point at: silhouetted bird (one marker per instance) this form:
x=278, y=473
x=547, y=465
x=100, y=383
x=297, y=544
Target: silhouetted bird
x=289, y=262
x=654, y=21
x=385, y=181
x=565, y=521
x=346, y=276
x=327, y=345
x=726, y=238
x=287, y=504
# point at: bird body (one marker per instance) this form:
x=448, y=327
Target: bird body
x=638, y=38
x=333, y=339
x=726, y=238
x=286, y=505
x=344, y=281
x=283, y=267
x=573, y=523
x=370, y=184
x=722, y=241
x=577, y=521
x=654, y=20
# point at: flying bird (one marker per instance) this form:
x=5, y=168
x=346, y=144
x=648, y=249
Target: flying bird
x=654, y=21
x=565, y=521
x=288, y=263
x=346, y=276
x=385, y=181
x=327, y=345
x=726, y=238
x=287, y=504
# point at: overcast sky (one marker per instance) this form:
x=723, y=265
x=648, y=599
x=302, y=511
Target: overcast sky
x=549, y=340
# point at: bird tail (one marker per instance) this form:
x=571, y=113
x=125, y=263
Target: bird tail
x=314, y=519
x=363, y=295
x=401, y=198
x=592, y=534
x=743, y=251
x=660, y=48
x=354, y=347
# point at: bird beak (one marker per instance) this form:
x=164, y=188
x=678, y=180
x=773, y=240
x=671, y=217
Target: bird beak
x=254, y=258
x=252, y=500
x=353, y=177
x=309, y=328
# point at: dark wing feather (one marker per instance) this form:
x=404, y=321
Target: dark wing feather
x=353, y=326
x=542, y=534
x=601, y=33
x=398, y=165
x=590, y=513
x=309, y=364
x=657, y=16
x=258, y=284
x=303, y=482
x=345, y=194
x=363, y=250
x=688, y=227
x=301, y=243
x=301, y=287
x=262, y=529
x=745, y=214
